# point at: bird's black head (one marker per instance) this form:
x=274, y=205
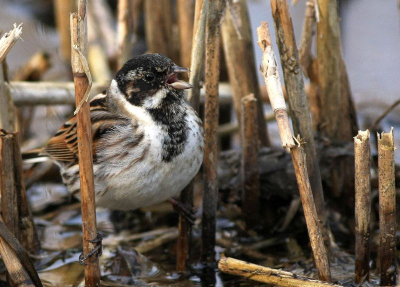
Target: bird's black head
x=145, y=80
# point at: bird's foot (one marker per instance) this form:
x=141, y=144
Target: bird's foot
x=97, y=250
x=186, y=211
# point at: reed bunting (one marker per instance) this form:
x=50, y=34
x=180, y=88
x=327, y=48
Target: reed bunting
x=147, y=141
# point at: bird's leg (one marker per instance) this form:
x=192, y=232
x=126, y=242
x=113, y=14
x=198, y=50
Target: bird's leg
x=98, y=250
x=183, y=209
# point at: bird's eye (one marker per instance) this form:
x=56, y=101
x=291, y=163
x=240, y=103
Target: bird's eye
x=149, y=77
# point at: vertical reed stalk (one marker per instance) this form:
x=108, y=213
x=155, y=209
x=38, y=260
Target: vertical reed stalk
x=362, y=154
x=198, y=52
x=125, y=28
x=81, y=80
x=250, y=173
x=184, y=231
x=387, y=209
x=271, y=76
x=299, y=107
x=63, y=9
x=215, y=11
x=239, y=57
x=186, y=10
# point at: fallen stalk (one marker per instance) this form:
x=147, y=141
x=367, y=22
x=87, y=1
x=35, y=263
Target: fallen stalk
x=263, y=274
x=271, y=76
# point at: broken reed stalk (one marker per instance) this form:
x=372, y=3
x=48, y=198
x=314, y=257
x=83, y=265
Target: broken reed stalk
x=185, y=10
x=298, y=104
x=271, y=76
x=62, y=11
x=215, y=11
x=239, y=57
x=158, y=25
x=8, y=40
x=362, y=156
x=18, y=264
x=387, y=209
x=267, y=275
x=82, y=82
x=15, y=208
x=9, y=197
x=384, y=114
x=249, y=166
x=198, y=52
x=125, y=29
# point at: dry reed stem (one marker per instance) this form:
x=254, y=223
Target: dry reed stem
x=125, y=28
x=198, y=52
x=9, y=196
x=271, y=77
x=185, y=230
x=34, y=69
x=97, y=56
x=79, y=55
x=8, y=40
x=307, y=34
x=103, y=16
x=239, y=57
x=249, y=166
x=362, y=155
x=62, y=93
x=215, y=11
x=267, y=275
x=299, y=107
x=185, y=10
x=338, y=122
x=7, y=109
x=15, y=209
x=28, y=234
x=62, y=11
x=158, y=24
x=384, y=114
x=152, y=244
x=387, y=209
x=17, y=260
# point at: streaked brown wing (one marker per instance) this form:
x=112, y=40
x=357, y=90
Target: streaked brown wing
x=64, y=145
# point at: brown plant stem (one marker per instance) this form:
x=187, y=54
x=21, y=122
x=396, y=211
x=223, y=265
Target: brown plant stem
x=273, y=84
x=215, y=11
x=185, y=230
x=7, y=108
x=198, y=52
x=125, y=29
x=239, y=57
x=81, y=80
x=249, y=166
x=158, y=23
x=362, y=154
x=62, y=11
x=387, y=209
x=299, y=107
x=186, y=10
x=267, y=275
x=19, y=265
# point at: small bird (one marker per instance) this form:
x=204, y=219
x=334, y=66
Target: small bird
x=147, y=142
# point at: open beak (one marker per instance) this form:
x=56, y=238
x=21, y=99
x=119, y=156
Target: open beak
x=173, y=81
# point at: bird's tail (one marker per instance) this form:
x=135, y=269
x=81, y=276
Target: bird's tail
x=34, y=155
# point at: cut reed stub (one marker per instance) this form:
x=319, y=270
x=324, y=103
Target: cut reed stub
x=387, y=209
x=362, y=155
